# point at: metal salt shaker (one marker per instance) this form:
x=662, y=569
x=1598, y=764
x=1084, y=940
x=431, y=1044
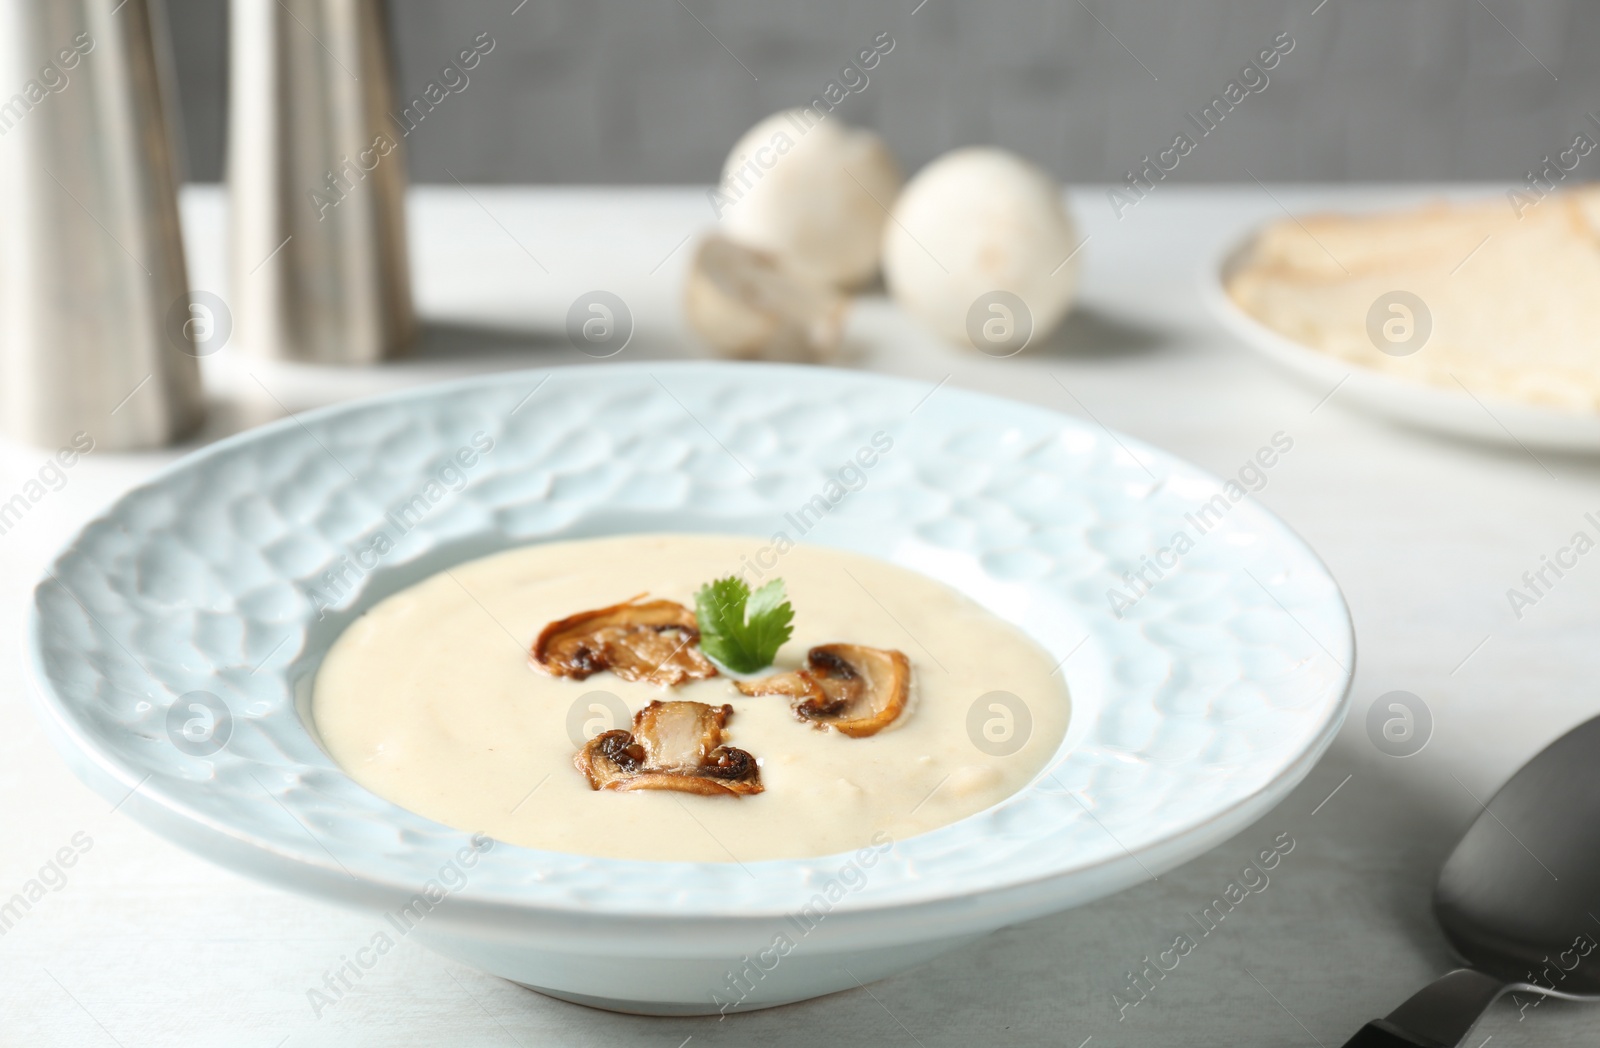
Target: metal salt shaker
x=316, y=177
x=94, y=302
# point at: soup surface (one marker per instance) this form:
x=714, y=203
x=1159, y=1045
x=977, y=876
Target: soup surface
x=429, y=700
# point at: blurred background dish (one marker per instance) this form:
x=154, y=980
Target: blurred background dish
x=1477, y=414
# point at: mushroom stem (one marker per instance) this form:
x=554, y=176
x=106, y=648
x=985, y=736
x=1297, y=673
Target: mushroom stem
x=673, y=746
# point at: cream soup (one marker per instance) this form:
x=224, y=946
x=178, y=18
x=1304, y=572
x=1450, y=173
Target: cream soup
x=430, y=701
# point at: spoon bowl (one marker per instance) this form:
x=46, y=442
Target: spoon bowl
x=1518, y=898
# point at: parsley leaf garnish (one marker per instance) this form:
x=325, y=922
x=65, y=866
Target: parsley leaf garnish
x=739, y=629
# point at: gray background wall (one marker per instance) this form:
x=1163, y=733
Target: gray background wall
x=655, y=91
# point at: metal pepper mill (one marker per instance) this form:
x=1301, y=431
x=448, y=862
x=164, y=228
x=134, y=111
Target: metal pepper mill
x=316, y=180
x=95, y=317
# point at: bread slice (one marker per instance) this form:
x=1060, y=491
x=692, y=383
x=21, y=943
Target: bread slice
x=1514, y=301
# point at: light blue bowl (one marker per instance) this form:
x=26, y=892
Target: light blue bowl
x=230, y=574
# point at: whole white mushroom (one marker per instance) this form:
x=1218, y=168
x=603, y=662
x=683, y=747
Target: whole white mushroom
x=981, y=250
x=813, y=191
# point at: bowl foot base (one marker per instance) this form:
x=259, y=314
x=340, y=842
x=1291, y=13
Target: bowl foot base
x=655, y=1008
x=687, y=984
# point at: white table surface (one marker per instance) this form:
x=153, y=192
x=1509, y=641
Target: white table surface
x=147, y=946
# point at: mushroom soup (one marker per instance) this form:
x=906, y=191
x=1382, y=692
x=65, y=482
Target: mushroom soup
x=575, y=697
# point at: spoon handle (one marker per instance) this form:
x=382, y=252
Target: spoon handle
x=1440, y=1015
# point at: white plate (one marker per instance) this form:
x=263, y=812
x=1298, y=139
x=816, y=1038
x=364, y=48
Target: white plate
x=1475, y=416
x=1193, y=714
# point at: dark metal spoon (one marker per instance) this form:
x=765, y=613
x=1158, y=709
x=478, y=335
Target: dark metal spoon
x=1519, y=899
